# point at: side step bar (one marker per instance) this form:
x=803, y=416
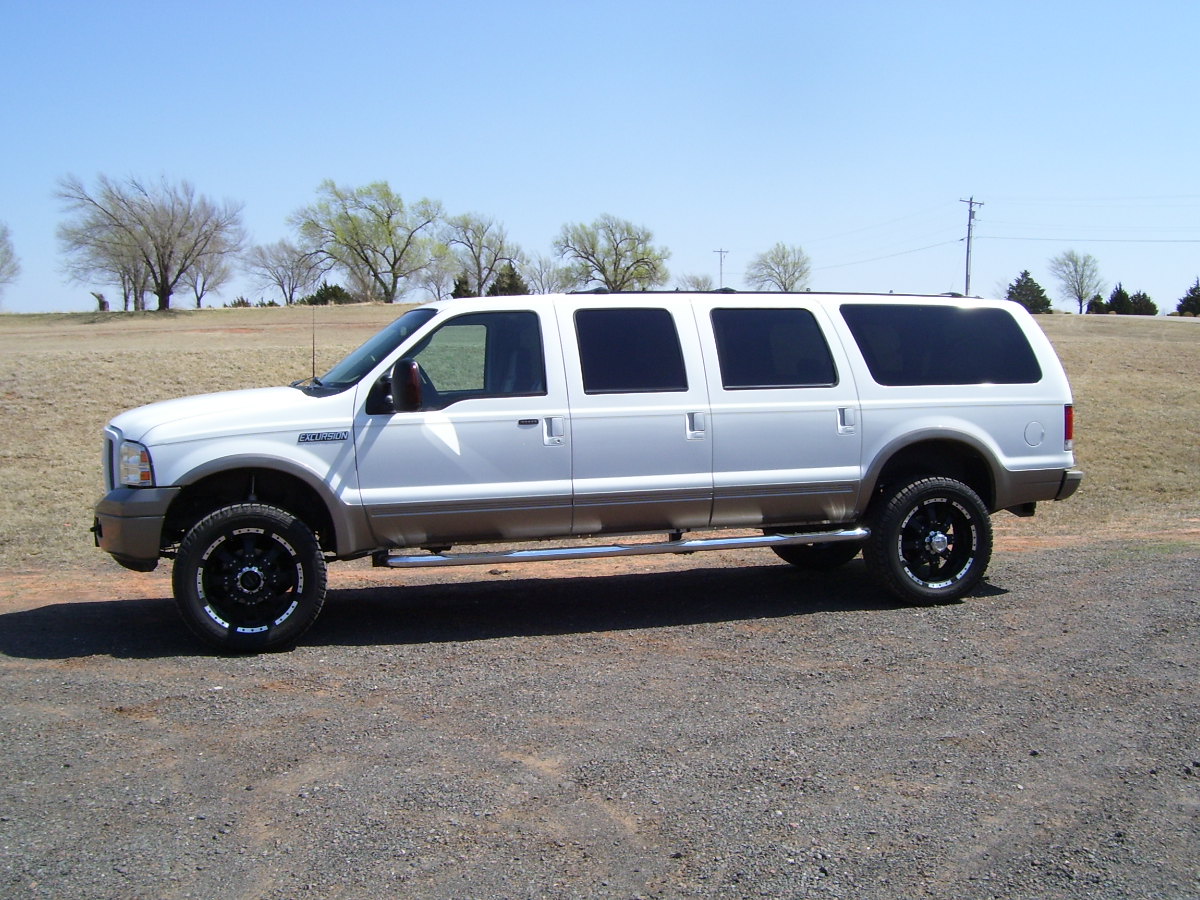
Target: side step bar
x=423, y=561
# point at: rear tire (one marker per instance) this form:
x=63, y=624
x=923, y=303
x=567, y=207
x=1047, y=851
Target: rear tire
x=931, y=540
x=249, y=577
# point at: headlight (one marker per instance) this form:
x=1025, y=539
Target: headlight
x=133, y=467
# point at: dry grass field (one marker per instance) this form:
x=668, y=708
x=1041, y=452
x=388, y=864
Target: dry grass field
x=63, y=376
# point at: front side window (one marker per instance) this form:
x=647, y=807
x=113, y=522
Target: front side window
x=629, y=351
x=482, y=355
x=913, y=344
x=771, y=348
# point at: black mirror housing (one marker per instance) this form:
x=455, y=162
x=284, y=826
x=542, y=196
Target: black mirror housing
x=406, y=386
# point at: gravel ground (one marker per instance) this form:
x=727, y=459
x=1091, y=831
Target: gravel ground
x=710, y=726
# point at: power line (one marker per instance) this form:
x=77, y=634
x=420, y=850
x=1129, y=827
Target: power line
x=1080, y=240
x=859, y=262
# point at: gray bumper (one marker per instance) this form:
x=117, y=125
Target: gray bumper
x=129, y=524
x=1070, y=483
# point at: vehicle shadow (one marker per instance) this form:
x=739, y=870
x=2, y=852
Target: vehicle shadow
x=498, y=608
x=468, y=610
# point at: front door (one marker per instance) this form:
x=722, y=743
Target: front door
x=486, y=457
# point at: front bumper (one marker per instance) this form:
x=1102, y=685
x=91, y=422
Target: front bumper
x=129, y=523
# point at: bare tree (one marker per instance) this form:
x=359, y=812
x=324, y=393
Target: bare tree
x=482, y=247
x=781, y=268
x=544, y=275
x=10, y=266
x=284, y=266
x=210, y=273
x=116, y=262
x=695, y=282
x=370, y=234
x=1078, y=276
x=438, y=277
x=614, y=253
x=128, y=229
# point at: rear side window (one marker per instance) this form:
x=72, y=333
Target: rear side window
x=629, y=351
x=913, y=344
x=771, y=348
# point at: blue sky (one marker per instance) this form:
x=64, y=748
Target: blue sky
x=853, y=129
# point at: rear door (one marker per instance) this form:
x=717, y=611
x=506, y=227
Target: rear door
x=640, y=430
x=785, y=415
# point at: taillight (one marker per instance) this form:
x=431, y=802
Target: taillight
x=1068, y=427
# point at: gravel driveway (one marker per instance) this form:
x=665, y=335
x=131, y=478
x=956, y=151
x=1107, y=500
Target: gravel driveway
x=710, y=726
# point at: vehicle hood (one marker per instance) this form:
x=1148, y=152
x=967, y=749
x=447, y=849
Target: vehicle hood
x=256, y=410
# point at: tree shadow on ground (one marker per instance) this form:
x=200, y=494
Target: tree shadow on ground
x=484, y=608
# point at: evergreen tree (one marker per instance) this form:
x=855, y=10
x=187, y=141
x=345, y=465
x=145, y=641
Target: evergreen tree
x=462, y=287
x=1119, y=302
x=1190, y=302
x=1028, y=293
x=1096, y=306
x=328, y=294
x=508, y=283
x=1141, y=305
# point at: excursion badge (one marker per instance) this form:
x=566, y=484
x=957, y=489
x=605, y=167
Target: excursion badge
x=317, y=437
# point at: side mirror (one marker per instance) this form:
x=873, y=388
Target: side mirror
x=406, y=386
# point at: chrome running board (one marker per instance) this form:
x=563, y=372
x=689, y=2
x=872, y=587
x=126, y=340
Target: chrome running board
x=422, y=561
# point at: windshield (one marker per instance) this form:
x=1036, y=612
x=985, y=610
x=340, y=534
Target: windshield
x=361, y=361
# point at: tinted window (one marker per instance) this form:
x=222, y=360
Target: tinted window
x=913, y=344
x=771, y=348
x=629, y=351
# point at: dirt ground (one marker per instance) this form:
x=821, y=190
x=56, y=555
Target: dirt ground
x=718, y=725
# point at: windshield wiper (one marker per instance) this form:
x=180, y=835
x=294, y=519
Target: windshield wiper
x=312, y=381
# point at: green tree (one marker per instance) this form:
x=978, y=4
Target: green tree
x=508, y=283
x=1141, y=305
x=370, y=234
x=1096, y=306
x=614, y=254
x=143, y=235
x=1118, y=301
x=1028, y=293
x=1078, y=276
x=1190, y=302
x=10, y=267
x=782, y=268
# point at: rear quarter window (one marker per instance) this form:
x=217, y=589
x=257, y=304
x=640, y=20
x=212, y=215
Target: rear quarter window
x=913, y=344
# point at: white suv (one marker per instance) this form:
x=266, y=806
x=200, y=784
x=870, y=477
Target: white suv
x=817, y=425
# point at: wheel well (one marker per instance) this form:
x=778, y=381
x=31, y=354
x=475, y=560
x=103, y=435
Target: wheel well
x=248, y=485
x=949, y=459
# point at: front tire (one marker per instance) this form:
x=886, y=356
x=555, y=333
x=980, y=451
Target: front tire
x=931, y=540
x=249, y=577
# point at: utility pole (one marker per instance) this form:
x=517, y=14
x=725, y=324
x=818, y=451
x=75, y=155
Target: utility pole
x=721, y=277
x=971, y=204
